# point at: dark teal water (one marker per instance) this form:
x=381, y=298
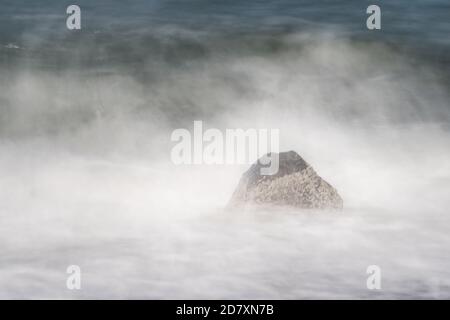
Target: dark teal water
x=421, y=24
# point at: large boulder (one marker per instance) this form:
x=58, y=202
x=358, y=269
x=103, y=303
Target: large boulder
x=295, y=184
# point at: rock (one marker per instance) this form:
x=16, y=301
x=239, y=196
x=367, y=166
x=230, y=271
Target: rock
x=295, y=184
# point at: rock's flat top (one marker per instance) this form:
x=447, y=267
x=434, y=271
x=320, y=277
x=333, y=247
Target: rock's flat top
x=295, y=184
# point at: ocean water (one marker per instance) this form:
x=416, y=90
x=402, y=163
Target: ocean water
x=85, y=171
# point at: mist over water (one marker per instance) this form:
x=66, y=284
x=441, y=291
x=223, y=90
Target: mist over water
x=87, y=179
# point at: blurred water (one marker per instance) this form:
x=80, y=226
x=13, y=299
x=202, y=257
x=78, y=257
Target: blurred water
x=133, y=238
x=86, y=176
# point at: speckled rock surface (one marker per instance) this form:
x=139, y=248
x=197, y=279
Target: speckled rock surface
x=295, y=184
